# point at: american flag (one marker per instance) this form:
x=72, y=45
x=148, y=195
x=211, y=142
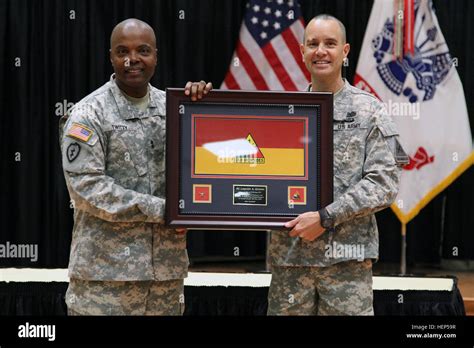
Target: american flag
x=80, y=132
x=267, y=56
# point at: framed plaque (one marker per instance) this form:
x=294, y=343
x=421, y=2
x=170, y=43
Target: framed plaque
x=247, y=160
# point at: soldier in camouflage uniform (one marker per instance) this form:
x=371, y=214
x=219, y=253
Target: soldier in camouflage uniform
x=123, y=260
x=324, y=265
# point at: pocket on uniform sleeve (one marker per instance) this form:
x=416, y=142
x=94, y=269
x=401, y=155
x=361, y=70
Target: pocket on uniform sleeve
x=391, y=134
x=388, y=129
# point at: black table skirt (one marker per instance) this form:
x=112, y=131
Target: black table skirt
x=41, y=298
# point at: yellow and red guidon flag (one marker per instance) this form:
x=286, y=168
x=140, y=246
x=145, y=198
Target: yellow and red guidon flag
x=412, y=72
x=249, y=147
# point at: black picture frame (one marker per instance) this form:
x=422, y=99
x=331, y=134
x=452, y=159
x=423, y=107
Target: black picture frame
x=208, y=186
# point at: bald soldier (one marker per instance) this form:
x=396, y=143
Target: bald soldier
x=123, y=260
x=323, y=266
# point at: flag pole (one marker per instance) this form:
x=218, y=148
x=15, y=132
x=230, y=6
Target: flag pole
x=403, y=256
x=441, y=237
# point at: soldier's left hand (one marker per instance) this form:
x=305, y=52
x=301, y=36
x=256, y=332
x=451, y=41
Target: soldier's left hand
x=197, y=89
x=181, y=230
x=307, y=226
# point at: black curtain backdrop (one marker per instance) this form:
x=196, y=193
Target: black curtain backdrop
x=54, y=52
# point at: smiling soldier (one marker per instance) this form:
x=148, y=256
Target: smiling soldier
x=306, y=278
x=123, y=260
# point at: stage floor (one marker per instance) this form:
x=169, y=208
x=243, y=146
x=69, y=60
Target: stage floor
x=382, y=280
x=465, y=278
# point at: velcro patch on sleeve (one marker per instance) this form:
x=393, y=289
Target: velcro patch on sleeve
x=80, y=132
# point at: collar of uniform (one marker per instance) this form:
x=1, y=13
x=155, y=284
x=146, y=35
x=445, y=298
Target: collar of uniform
x=346, y=84
x=126, y=109
x=339, y=100
x=155, y=100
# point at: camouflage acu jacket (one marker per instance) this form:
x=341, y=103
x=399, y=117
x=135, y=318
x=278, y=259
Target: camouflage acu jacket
x=367, y=166
x=113, y=159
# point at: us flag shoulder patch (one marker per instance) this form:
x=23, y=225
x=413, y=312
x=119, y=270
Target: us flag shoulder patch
x=81, y=132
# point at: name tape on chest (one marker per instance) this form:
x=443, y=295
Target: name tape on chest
x=119, y=127
x=345, y=125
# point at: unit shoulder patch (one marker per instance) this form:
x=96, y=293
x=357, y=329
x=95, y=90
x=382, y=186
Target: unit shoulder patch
x=72, y=151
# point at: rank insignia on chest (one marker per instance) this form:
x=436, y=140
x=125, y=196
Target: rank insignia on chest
x=351, y=114
x=80, y=132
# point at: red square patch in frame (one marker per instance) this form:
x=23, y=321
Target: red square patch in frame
x=297, y=195
x=202, y=193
